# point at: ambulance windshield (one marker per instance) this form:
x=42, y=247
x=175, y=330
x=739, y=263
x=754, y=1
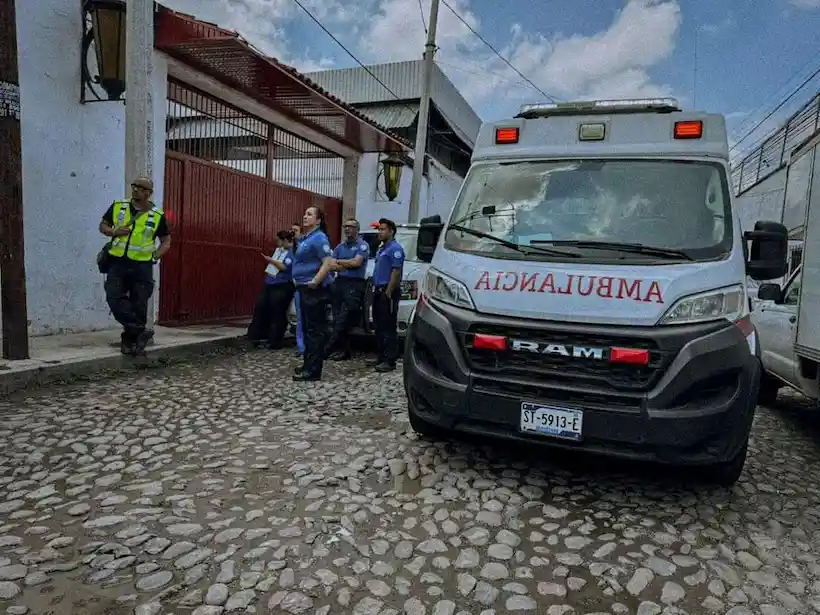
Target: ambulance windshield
x=678, y=206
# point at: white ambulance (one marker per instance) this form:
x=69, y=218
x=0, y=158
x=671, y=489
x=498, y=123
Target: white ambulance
x=589, y=289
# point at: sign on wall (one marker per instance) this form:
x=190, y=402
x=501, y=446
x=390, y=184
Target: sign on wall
x=9, y=100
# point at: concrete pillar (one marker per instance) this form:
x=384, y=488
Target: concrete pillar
x=139, y=105
x=350, y=185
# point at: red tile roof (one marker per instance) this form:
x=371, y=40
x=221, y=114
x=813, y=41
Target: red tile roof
x=226, y=56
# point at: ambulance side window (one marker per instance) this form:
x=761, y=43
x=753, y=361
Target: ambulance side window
x=716, y=206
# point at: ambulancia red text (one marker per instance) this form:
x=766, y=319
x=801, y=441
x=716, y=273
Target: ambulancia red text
x=605, y=287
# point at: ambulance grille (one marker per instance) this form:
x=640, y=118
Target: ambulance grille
x=558, y=368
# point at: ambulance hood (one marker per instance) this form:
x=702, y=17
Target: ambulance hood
x=585, y=293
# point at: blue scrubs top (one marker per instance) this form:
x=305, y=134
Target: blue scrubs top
x=390, y=256
x=285, y=276
x=313, y=248
x=351, y=249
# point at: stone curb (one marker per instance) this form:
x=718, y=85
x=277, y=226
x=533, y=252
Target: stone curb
x=66, y=372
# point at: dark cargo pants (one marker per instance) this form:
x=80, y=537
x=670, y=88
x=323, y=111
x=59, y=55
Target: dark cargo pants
x=386, y=320
x=128, y=287
x=270, y=314
x=313, y=306
x=348, y=296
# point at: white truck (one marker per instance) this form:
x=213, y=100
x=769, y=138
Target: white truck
x=788, y=320
x=588, y=290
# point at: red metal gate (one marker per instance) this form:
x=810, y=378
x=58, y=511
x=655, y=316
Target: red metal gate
x=221, y=220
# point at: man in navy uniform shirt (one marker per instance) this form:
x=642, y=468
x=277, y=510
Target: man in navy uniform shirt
x=387, y=276
x=350, y=264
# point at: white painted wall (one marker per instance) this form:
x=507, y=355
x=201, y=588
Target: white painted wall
x=438, y=192
x=763, y=201
x=73, y=168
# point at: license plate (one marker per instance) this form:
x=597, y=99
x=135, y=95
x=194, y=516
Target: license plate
x=564, y=423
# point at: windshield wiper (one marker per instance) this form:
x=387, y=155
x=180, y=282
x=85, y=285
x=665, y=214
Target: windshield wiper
x=511, y=244
x=488, y=211
x=637, y=248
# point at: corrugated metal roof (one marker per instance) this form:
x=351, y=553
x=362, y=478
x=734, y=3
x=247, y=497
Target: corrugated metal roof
x=394, y=115
x=356, y=86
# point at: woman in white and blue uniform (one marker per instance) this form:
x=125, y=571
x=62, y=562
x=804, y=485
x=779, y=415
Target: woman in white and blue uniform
x=270, y=317
x=311, y=269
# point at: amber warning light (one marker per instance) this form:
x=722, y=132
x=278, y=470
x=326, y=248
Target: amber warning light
x=689, y=130
x=506, y=135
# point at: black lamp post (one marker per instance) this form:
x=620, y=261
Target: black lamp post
x=392, y=166
x=104, y=26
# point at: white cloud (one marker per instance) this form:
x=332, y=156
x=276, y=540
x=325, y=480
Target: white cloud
x=614, y=62
x=259, y=21
x=262, y=23
x=720, y=27
x=396, y=31
x=806, y=5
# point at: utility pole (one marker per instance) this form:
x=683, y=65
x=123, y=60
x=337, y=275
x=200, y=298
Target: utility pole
x=139, y=104
x=13, y=303
x=424, y=115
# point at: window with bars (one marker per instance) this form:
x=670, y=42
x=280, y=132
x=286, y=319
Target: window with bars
x=201, y=126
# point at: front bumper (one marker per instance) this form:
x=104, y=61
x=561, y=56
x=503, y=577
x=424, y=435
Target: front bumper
x=405, y=313
x=696, y=409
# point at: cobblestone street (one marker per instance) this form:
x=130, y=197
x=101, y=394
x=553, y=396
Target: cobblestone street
x=223, y=487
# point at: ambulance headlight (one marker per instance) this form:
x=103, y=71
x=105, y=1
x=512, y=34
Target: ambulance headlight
x=717, y=304
x=440, y=287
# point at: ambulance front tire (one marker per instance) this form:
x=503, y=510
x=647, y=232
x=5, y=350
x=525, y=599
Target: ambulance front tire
x=727, y=473
x=769, y=388
x=422, y=427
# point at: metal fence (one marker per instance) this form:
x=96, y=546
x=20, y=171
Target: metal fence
x=773, y=153
x=201, y=126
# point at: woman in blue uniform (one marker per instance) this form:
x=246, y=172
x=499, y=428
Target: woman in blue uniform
x=311, y=267
x=296, y=228
x=270, y=317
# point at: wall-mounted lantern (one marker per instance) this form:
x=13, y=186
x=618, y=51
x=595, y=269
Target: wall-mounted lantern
x=392, y=166
x=104, y=27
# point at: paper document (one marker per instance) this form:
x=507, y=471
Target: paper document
x=278, y=255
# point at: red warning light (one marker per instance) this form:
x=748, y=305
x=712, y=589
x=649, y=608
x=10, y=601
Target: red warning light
x=506, y=135
x=689, y=129
x=489, y=342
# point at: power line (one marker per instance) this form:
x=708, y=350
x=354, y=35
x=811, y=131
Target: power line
x=496, y=52
x=347, y=51
x=484, y=74
x=760, y=107
x=369, y=72
x=423, y=21
x=777, y=108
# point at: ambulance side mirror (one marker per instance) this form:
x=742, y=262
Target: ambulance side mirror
x=429, y=234
x=769, y=251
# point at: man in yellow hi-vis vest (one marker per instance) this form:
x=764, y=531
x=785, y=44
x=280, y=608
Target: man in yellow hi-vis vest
x=135, y=226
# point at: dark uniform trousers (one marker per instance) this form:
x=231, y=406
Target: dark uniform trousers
x=270, y=314
x=313, y=305
x=348, y=295
x=386, y=318
x=128, y=287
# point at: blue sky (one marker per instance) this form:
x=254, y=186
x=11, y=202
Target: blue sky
x=749, y=52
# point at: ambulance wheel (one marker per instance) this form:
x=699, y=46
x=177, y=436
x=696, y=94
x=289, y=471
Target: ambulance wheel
x=422, y=427
x=727, y=473
x=769, y=388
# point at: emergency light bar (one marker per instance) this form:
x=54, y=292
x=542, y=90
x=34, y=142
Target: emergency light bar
x=598, y=107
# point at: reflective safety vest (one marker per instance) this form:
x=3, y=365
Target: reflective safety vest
x=140, y=244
